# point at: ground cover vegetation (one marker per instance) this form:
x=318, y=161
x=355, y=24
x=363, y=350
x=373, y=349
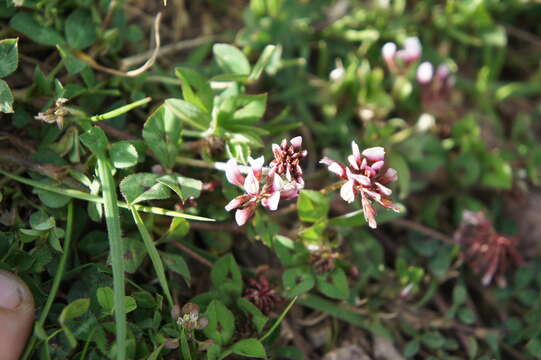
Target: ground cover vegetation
x=280, y=179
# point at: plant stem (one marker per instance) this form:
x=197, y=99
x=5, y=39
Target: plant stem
x=279, y=320
x=76, y=194
x=56, y=281
x=153, y=254
x=121, y=110
x=112, y=219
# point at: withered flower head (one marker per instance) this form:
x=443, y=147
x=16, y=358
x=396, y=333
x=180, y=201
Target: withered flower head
x=262, y=294
x=287, y=157
x=54, y=114
x=323, y=260
x=189, y=318
x=488, y=253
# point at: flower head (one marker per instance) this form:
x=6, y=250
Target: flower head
x=287, y=157
x=54, y=114
x=400, y=60
x=366, y=175
x=267, y=193
x=489, y=254
x=262, y=294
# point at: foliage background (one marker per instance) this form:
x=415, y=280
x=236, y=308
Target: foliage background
x=402, y=290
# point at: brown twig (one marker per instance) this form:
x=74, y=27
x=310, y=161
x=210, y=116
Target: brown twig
x=132, y=73
x=192, y=253
x=408, y=224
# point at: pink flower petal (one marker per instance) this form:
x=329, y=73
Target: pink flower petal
x=425, y=71
x=251, y=183
x=388, y=50
x=272, y=201
x=361, y=179
x=369, y=213
x=257, y=165
x=377, y=165
x=237, y=202
x=374, y=153
x=347, y=192
x=334, y=166
x=233, y=174
x=355, y=151
x=276, y=150
x=296, y=142
x=383, y=189
x=353, y=162
x=391, y=175
x=242, y=215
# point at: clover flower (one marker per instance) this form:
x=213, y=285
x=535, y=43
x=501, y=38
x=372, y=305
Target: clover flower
x=54, y=114
x=267, y=193
x=488, y=253
x=367, y=174
x=262, y=294
x=190, y=320
x=436, y=88
x=287, y=157
x=399, y=61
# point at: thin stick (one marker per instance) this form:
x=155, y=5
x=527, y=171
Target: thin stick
x=166, y=50
x=423, y=229
x=193, y=254
x=132, y=73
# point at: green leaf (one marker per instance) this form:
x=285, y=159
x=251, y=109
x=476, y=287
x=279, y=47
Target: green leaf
x=142, y=187
x=41, y=221
x=9, y=56
x=72, y=63
x=497, y=173
x=123, y=154
x=184, y=187
x=231, y=59
x=221, y=323
x=249, y=348
x=25, y=23
x=257, y=318
x=439, y=264
x=105, y=298
x=397, y=162
x=189, y=113
x=433, y=339
x=134, y=254
x=195, y=88
x=73, y=310
x=290, y=253
x=333, y=284
x=80, y=29
x=162, y=132
x=96, y=140
x=262, y=62
x=238, y=111
x=466, y=169
x=312, y=205
x=411, y=348
x=50, y=199
x=298, y=280
x=225, y=275
x=6, y=98
x=177, y=264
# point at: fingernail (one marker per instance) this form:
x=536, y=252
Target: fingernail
x=11, y=291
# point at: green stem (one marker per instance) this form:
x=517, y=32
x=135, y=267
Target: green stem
x=121, y=110
x=153, y=254
x=76, y=194
x=279, y=320
x=112, y=219
x=56, y=281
